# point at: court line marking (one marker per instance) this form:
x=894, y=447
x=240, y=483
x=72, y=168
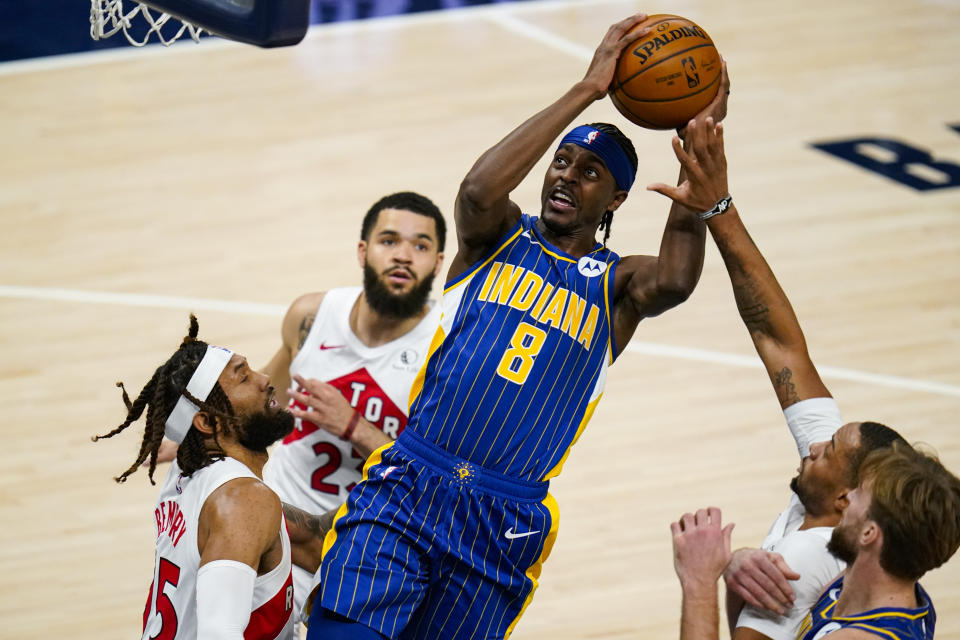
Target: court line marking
x=500, y=13
x=142, y=300
x=537, y=34
x=754, y=362
x=635, y=346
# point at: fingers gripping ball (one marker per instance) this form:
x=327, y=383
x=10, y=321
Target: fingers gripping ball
x=668, y=76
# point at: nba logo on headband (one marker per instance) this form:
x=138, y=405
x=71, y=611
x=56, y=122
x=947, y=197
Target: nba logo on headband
x=608, y=150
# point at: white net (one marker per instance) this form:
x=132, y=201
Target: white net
x=107, y=17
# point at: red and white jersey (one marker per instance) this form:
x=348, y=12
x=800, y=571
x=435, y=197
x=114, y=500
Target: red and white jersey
x=171, y=610
x=313, y=469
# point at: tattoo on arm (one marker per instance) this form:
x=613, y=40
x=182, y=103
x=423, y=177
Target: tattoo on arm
x=754, y=312
x=300, y=520
x=304, y=330
x=786, y=390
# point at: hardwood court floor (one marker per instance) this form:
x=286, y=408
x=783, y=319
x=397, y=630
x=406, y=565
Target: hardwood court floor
x=136, y=187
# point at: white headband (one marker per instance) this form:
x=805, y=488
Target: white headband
x=201, y=383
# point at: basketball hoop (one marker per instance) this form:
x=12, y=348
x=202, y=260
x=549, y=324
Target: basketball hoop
x=107, y=17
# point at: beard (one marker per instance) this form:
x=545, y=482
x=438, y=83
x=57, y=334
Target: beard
x=262, y=429
x=811, y=501
x=805, y=498
x=399, y=306
x=842, y=544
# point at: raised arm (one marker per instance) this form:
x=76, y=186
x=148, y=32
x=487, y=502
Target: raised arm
x=654, y=284
x=483, y=210
x=767, y=313
x=701, y=549
x=647, y=286
x=763, y=306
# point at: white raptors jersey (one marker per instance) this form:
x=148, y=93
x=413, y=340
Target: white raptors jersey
x=171, y=610
x=313, y=469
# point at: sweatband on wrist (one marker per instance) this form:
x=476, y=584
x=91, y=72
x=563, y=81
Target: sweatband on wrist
x=722, y=205
x=812, y=420
x=201, y=384
x=351, y=426
x=224, y=599
x=607, y=148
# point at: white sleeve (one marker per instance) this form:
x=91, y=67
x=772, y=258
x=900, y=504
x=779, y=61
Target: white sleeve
x=806, y=553
x=224, y=599
x=812, y=420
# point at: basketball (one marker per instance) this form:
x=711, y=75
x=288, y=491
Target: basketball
x=668, y=76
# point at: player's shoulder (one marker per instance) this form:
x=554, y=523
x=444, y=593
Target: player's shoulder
x=241, y=497
x=299, y=318
x=306, y=304
x=802, y=541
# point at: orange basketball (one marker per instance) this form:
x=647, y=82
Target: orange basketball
x=668, y=76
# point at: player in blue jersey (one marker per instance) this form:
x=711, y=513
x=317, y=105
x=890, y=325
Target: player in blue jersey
x=902, y=521
x=446, y=535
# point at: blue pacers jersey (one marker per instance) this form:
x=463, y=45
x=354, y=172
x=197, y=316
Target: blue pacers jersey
x=519, y=361
x=887, y=622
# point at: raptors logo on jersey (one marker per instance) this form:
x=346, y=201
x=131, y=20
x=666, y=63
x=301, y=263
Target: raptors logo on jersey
x=366, y=396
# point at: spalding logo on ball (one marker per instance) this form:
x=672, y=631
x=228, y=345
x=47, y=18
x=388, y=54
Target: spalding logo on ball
x=668, y=76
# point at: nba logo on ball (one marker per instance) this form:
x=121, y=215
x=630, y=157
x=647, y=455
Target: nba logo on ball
x=690, y=68
x=668, y=76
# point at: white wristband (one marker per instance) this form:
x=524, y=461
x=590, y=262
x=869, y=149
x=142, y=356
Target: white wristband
x=224, y=599
x=722, y=205
x=812, y=420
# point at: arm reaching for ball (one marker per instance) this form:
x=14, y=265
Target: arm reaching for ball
x=483, y=210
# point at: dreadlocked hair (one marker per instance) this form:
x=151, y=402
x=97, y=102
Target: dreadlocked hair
x=605, y=223
x=627, y=146
x=160, y=396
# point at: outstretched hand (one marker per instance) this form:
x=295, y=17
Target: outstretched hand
x=604, y=63
x=701, y=548
x=702, y=157
x=323, y=405
x=717, y=109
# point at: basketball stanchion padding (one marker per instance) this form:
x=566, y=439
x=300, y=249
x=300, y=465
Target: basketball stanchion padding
x=265, y=23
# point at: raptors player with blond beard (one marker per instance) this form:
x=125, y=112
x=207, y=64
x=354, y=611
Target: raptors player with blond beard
x=349, y=358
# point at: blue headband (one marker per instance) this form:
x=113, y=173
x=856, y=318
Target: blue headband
x=607, y=149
